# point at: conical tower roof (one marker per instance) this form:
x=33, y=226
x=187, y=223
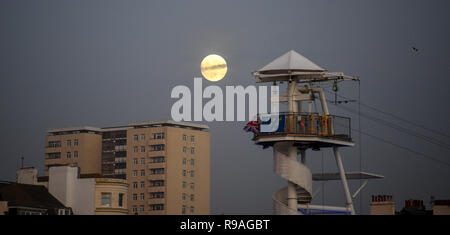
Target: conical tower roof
x=291, y=61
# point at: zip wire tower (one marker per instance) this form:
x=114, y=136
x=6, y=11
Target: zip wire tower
x=298, y=129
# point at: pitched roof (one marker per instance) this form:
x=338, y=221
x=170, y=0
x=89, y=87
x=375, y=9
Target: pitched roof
x=292, y=61
x=27, y=195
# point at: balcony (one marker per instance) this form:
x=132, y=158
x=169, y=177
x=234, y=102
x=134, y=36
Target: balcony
x=315, y=130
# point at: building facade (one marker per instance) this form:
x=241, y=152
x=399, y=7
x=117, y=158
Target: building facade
x=168, y=168
x=166, y=163
x=79, y=147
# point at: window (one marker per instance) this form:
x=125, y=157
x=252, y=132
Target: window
x=183, y=210
x=192, y=150
x=183, y=196
x=135, y=161
x=192, y=162
x=54, y=144
x=192, y=197
x=192, y=209
x=158, y=159
x=184, y=184
x=192, y=139
x=158, y=147
x=135, y=173
x=157, y=195
x=184, y=137
x=184, y=149
x=157, y=171
x=141, y=208
x=142, y=184
x=75, y=154
x=106, y=199
x=121, y=199
x=142, y=136
x=143, y=149
x=184, y=161
x=156, y=183
x=75, y=142
x=135, y=185
x=136, y=137
x=156, y=207
x=142, y=172
x=192, y=173
x=142, y=196
x=69, y=143
x=143, y=161
x=53, y=155
x=69, y=155
x=134, y=209
x=158, y=135
x=135, y=149
x=192, y=185
x=134, y=196
x=184, y=172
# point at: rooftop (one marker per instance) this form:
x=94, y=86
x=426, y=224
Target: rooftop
x=27, y=195
x=132, y=125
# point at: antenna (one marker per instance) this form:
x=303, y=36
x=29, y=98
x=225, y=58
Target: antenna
x=22, y=158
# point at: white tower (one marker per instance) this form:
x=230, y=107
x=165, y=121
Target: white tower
x=299, y=129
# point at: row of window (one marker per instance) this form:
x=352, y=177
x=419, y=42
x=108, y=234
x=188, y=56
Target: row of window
x=191, y=185
x=135, y=184
x=184, y=195
x=158, y=159
x=153, y=195
x=160, y=207
x=191, y=173
x=191, y=161
x=153, y=171
x=156, y=147
x=69, y=154
x=185, y=150
x=155, y=136
x=153, y=207
x=57, y=143
x=183, y=209
x=192, y=138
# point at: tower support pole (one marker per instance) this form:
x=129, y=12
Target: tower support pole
x=292, y=191
x=348, y=197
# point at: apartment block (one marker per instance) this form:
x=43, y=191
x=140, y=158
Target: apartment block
x=168, y=167
x=166, y=163
x=79, y=147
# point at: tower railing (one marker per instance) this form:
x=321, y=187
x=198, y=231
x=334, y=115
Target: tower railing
x=305, y=124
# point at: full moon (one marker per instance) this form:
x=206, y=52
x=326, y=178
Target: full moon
x=213, y=67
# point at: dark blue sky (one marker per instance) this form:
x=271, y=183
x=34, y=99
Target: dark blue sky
x=105, y=63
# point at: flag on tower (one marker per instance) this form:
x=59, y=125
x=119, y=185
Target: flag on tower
x=252, y=126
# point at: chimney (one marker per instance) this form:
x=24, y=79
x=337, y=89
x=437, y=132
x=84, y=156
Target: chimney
x=382, y=205
x=27, y=175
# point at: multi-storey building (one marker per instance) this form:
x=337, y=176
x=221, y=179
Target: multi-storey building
x=166, y=163
x=168, y=168
x=80, y=146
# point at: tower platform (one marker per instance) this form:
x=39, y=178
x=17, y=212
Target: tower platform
x=304, y=129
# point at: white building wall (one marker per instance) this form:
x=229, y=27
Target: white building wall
x=79, y=194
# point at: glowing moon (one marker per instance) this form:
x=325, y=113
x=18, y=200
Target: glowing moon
x=213, y=67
